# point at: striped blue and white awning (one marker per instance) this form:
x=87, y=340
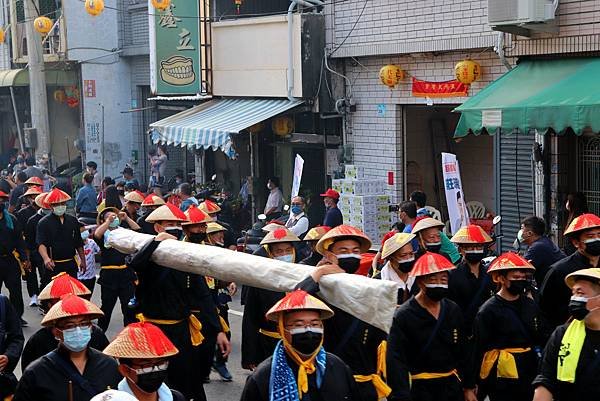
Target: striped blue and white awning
x=211, y=124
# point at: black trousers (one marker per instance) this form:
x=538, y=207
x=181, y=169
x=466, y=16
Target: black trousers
x=443, y=389
x=109, y=293
x=10, y=276
x=183, y=374
x=37, y=267
x=224, y=313
x=69, y=267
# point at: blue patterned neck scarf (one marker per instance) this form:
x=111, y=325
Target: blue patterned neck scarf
x=282, y=384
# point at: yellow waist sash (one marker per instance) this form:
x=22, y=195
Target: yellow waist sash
x=114, y=267
x=429, y=376
x=194, y=326
x=268, y=333
x=224, y=325
x=62, y=260
x=507, y=366
x=383, y=390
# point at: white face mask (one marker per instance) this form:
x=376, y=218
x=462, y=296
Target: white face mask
x=59, y=210
x=286, y=258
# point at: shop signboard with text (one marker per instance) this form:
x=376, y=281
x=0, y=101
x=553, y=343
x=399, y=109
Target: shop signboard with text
x=175, y=62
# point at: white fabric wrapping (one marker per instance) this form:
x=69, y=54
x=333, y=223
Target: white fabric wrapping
x=373, y=301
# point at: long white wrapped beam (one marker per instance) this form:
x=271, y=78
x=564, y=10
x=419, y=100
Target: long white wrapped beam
x=373, y=301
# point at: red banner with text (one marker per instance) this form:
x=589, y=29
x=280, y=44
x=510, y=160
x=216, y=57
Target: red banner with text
x=438, y=89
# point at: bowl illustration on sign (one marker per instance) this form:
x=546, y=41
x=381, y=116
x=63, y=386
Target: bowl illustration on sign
x=177, y=70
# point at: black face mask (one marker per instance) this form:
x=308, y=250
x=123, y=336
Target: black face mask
x=518, y=287
x=577, y=308
x=306, y=342
x=406, y=266
x=474, y=257
x=436, y=294
x=175, y=232
x=435, y=247
x=197, y=238
x=592, y=247
x=151, y=382
x=349, y=263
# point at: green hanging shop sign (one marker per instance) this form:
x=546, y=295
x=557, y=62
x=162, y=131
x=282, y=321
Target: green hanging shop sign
x=175, y=63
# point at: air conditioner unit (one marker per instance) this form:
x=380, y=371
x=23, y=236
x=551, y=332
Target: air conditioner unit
x=522, y=16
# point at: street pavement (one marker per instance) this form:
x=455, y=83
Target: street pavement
x=216, y=390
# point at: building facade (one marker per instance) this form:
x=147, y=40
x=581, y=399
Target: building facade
x=394, y=131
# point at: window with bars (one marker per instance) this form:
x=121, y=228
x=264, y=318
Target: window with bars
x=589, y=171
x=48, y=8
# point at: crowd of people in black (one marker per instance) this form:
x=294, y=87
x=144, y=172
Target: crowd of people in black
x=521, y=327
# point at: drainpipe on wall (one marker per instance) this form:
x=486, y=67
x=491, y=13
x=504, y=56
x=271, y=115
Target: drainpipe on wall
x=499, y=49
x=290, y=21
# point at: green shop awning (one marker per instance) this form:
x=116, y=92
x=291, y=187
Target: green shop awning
x=20, y=77
x=548, y=95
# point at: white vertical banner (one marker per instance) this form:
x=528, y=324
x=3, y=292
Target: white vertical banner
x=298, y=167
x=455, y=198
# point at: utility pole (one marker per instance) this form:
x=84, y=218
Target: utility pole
x=37, y=82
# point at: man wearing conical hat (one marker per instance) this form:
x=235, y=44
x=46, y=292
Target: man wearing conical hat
x=43, y=340
x=569, y=370
x=508, y=333
x=427, y=350
x=300, y=368
x=149, y=204
x=429, y=235
x=59, y=237
x=356, y=342
x=202, y=294
x=214, y=211
x=133, y=202
x=259, y=335
x=11, y=246
x=37, y=264
x=163, y=300
x=144, y=352
x=469, y=284
x=73, y=371
x=399, y=257
x=29, y=210
x=584, y=234
x=215, y=234
x=117, y=280
x=311, y=238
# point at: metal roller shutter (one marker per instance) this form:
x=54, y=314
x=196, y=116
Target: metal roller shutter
x=515, y=192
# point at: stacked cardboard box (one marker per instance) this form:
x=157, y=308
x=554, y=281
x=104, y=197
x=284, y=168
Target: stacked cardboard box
x=364, y=203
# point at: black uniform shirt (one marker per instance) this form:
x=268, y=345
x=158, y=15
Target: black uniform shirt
x=469, y=292
x=24, y=214
x=161, y=291
x=43, y=381
x=12, y=343
x=62, y=239
x=11, y=239
x=554, y=293
x=31, y=230
x=586, y=387
x=415, y=346
x=202, y=302
x=501, y=324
